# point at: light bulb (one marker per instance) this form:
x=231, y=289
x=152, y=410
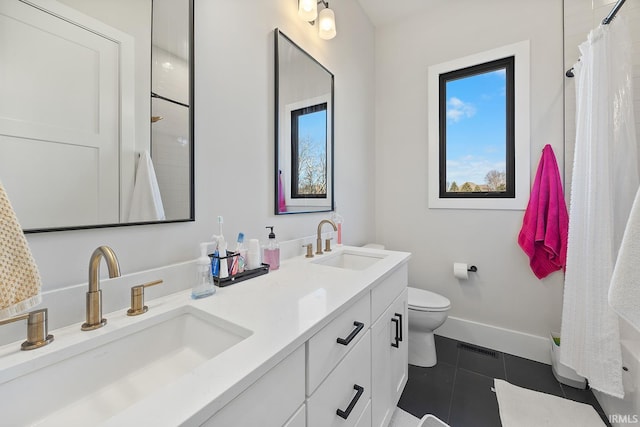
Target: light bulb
x=307, y=10
x=326, y=24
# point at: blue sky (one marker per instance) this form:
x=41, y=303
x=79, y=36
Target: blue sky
x=315, y=125
x=476, y=127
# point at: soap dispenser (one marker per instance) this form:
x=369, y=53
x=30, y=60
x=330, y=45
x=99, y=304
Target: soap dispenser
x=272, y=251
x=203, y=286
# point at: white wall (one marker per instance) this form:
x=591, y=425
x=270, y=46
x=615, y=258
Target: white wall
x=234, y=130
x=580, y=17
x=503, y=306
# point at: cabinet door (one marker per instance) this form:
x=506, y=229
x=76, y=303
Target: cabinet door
x=389, y=360
x=400, y=354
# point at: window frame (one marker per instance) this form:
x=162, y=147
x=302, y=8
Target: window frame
x=295, y=144
x=285, y=153
x=508, y=64
x=520, y=52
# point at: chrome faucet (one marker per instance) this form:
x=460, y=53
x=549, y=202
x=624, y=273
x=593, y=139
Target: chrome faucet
x=94, y=294
x=319, y=236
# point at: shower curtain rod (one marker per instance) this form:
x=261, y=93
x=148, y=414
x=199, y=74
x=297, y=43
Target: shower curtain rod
x=605, y=21
x=613, y=12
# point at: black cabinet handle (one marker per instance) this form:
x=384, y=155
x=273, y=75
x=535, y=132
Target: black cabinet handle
x=345, y=414
x=400, y=317
x=397, y=340
x=352, y=335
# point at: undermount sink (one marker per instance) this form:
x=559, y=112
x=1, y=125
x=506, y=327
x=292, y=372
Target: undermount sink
x=350, y=259
x=115, y=369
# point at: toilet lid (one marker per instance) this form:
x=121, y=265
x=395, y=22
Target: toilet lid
x=422, y=300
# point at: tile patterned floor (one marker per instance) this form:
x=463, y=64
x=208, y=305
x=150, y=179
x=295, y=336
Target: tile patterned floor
x=458, y=389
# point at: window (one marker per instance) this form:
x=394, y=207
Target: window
x=478, y=117
x=476, y=131
x=309, y=152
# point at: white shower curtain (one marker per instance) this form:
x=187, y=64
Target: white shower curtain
x=605, y=179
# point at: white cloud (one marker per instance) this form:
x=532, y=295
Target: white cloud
x=457, y=109
x=472, y=169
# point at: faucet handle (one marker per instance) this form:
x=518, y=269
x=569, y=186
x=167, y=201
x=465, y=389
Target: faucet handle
x=327, y=244
x=137, y=298
x=309, y=247
x=37, y=328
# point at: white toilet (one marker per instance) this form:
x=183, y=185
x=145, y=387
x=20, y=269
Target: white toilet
x=427, y=312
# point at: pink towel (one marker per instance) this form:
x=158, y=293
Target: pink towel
x=545, y=226
x=282, y=204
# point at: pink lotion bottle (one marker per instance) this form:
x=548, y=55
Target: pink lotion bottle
x=338, y=220
x=271, y=252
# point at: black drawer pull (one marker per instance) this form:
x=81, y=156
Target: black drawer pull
x=345, y=414
x=397, y=340
x=352, y=335
x=400, y=317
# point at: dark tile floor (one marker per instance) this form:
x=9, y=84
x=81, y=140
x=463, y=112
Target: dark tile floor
x=458, y=389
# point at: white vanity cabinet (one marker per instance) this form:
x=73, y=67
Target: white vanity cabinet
x=299, y=419
x=330, y=345
x=344, y=395
x=339, y=369
x=274, y=400
x=389, y=346
x=350, y=373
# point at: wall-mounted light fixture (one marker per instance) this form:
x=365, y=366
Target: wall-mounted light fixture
x=308, y=11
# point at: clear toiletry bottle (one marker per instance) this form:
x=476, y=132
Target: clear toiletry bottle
x=272, y=251
x=203, y=286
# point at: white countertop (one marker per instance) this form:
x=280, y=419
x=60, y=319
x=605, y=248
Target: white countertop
x=283, y=309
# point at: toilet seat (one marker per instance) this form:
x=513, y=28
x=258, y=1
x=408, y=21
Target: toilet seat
x=422, y=300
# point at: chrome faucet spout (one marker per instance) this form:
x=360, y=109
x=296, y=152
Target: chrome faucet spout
x=94, y=294
x=319, y=236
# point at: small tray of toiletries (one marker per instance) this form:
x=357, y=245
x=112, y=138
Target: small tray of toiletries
x=232, y=260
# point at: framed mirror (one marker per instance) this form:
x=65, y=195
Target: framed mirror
x=96, y=114
x=303, y=131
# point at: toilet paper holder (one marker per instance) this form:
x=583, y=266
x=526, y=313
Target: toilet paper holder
x=472, y=268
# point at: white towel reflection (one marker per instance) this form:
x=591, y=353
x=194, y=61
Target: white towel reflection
x=146, y=203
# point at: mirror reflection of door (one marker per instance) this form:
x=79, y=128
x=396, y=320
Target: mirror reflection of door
x=59, y=106
x=75, y=110
x=304, y=131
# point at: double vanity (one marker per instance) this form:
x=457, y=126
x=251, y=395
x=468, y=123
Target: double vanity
x=319, y=342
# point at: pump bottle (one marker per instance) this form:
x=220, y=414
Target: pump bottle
x=271, y=251
x=203, y=285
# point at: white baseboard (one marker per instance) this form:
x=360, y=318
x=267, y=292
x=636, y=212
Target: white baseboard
x=520, y=344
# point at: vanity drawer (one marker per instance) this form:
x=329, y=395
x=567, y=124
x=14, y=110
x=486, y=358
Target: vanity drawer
x=340, y=391
x=323, y=349
x=365, y=418
x=299, y=419
x=258, y=405
x=387, y=290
